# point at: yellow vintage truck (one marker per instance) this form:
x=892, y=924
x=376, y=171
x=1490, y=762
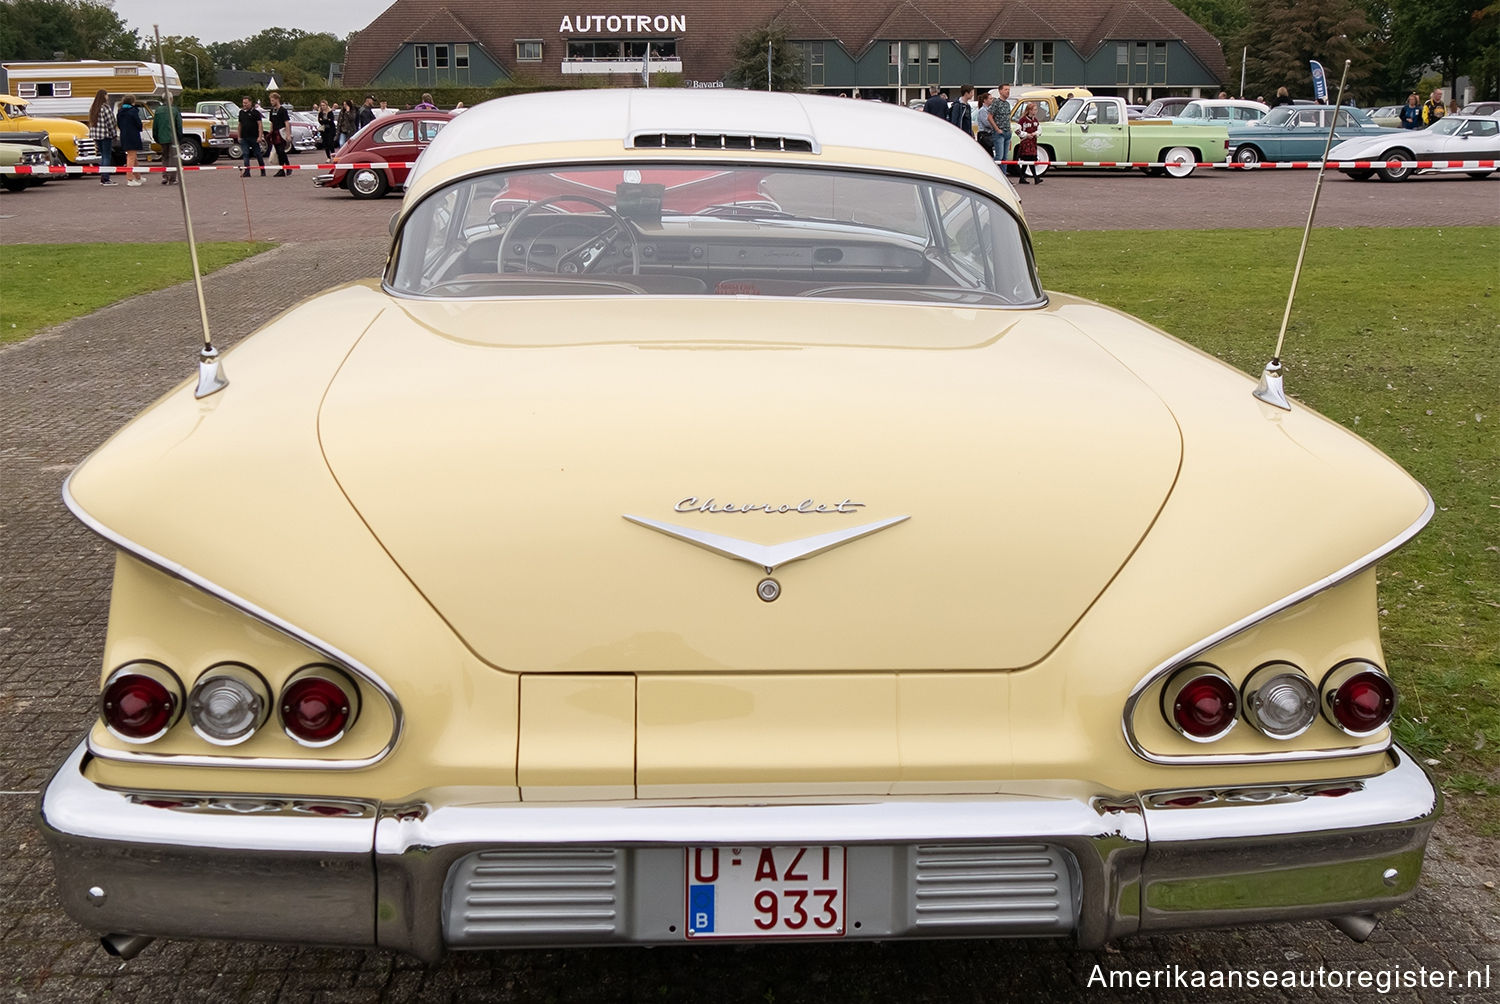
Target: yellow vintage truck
x=68, y=141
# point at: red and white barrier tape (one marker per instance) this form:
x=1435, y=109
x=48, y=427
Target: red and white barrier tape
x=1334, y=165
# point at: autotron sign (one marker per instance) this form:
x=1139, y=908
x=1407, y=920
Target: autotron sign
x=623, y=22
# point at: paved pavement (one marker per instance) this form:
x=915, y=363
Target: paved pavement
x=227, y=207
x=64, y=391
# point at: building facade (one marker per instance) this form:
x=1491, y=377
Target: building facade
x=891, y=49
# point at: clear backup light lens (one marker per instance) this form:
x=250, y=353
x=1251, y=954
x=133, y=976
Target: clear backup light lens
x=228, y=704
x=1358, y=698
x=1200, y=702
x=141, y=701
x=318, y=705
x=1280, y=700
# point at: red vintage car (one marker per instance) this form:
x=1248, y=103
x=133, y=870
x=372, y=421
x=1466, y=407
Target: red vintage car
x=373, y=161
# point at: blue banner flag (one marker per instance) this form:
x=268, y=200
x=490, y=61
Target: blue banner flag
x=1320, y=82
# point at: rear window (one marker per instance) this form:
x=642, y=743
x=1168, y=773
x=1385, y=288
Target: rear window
x=710, y=230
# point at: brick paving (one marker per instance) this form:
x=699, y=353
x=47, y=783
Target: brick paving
x=63, y=391
x=229, y=208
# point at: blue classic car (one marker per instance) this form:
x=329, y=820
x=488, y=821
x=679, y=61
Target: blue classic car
x=1297, y=132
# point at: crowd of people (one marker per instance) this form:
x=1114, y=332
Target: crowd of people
x=264, y=132
x=995, y=124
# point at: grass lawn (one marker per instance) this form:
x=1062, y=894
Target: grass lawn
x=1395, y=334
x=46, y=284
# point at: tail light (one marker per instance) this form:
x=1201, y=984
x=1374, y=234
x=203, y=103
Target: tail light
x=141, y=701
x=1358, y=698
x=318, y=705
x=228, y=704
x=1200, y=702
x=1280, y=700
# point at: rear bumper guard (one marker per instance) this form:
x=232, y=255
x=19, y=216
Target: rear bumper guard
x=1101, y=866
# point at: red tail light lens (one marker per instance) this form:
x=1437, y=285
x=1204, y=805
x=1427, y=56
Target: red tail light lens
x=1201, y=703
x=141, y=701
x=1359, y=698
x=318, y=705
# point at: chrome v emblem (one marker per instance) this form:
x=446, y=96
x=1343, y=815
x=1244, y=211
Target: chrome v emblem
x=767, y=556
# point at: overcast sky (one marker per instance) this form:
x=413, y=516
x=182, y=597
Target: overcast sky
x=227, y=20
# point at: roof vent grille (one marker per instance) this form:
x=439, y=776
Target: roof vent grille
x=720, y=141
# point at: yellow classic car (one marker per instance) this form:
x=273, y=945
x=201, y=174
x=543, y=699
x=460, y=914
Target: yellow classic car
x=69, y=140
x=708, y=529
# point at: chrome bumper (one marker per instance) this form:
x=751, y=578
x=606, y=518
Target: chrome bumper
x=323, y=181
x=345, y=872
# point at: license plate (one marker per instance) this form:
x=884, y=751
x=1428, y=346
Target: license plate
x=765, y=892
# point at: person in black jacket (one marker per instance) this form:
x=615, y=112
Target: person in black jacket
x=936, y=104
x=281, y=132
x=959, y=113
x=250, y=130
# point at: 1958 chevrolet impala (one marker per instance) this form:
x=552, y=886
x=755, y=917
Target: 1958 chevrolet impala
x=630, y=567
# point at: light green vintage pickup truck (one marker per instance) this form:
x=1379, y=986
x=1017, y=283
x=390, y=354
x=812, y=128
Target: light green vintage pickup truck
x=1097, y=129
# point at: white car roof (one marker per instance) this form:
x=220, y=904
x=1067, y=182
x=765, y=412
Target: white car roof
x=621, y=121
x=1229, y=103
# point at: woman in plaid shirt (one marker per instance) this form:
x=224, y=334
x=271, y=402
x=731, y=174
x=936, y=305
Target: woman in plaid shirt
x=103, y=130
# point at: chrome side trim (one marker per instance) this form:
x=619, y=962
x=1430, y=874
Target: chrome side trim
x=333, y=653
x=1127, y=723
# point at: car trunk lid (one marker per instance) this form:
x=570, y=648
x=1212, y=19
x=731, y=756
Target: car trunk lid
x=546, y=471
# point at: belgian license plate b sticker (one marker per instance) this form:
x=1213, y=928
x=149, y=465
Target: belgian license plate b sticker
x=765, y=892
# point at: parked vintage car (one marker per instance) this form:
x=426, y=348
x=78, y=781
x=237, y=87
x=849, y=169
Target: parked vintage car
x=373, y=161
x=1165, y=108
x=1298, y=132
x=617, y=574
x=1098, y=129
x=1220, y=111
x=17, y=154
x=1452, y=137
x=68, y=141
x=1480, y=108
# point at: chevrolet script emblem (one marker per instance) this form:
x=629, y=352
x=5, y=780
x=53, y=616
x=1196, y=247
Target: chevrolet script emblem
x=767, y=556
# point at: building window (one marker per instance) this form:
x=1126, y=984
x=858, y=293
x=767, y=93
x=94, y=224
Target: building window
x=934, y=51
x=461, y=55
x=810, y=55
x=421, y=52
x=528, y=50
x=1122, y=63
x=1158, y=62
x=440, y=54
x=1047, y=64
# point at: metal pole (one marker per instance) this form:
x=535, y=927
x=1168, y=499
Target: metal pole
x=210, y=374
x=197, y=76
x=1243, y=56
x=769, y=46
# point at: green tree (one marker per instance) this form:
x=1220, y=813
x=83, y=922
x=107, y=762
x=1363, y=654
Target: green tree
x=295, y=56
x=1284, y=35
x=751, y=49
x=1453, y=37
x=179, y=52
x=1223, y=19
x=78, y=29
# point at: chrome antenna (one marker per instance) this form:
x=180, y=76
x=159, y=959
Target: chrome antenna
x=211, y=378
x=1269, y=389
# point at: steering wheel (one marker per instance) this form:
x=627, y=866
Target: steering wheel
x=583, y=258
